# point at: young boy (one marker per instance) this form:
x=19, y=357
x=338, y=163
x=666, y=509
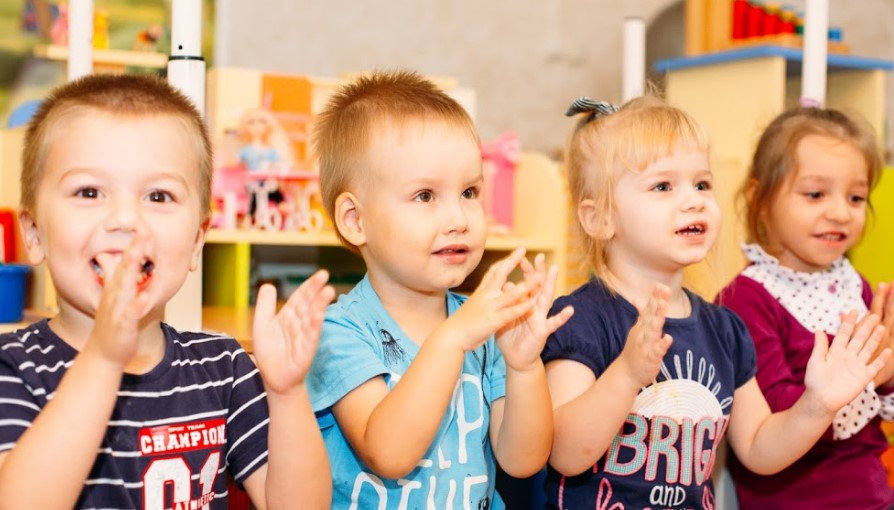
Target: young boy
x=104, y=405
x=412, y=394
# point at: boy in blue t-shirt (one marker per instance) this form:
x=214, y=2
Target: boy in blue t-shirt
x=415, y=397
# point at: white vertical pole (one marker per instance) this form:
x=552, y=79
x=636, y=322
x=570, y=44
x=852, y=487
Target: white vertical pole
x=80, y=38
x=186, y=72
x=634, y=66
x=813, y=77
x=186, y=67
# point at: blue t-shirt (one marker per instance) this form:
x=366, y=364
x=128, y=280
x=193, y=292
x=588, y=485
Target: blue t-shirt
x=254, y=157
x=361, y=341
x=664, y=453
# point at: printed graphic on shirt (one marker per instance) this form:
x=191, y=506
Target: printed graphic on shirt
x=167, y=480
x=444, y=478
x=666, y=450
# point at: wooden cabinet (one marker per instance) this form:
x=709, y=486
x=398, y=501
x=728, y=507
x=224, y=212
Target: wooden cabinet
x=735, y=94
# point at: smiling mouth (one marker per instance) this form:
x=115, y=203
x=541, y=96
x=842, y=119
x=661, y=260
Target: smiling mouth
x=146, y=271
x=452, y=251
x=832, y=236
x=692, y=230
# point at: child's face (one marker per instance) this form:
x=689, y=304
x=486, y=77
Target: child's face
x=820, y=209
x=106, y=178
x=422, y=219
x=665, y=217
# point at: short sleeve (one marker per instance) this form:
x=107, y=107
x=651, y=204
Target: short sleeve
x=345, y=359
x=744, y=355
x=496, y=372
x=249, y=418
x=18, y=407
x=579, y=339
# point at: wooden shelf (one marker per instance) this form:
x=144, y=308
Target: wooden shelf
x=111, y=60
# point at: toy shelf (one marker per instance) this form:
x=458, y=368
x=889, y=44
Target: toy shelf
x=113, y=61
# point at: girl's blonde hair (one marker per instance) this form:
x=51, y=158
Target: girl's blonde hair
x=776, y=157
x=602, y=147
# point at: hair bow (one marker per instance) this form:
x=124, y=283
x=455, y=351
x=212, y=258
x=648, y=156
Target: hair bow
x=595, y=109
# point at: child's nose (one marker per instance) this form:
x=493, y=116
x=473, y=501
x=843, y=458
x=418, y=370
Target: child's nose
x=838, y=210
x=694, y=201
x=124, y=216
x=457, y=217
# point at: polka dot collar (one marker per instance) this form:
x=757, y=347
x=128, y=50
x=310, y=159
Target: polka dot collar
x=815, y=299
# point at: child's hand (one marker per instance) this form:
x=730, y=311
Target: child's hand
x=838, y=372
x=646, y=343
x=883, y=306
x=522, y=339
x=285, y=342
x=121, y=307
x=493, y=304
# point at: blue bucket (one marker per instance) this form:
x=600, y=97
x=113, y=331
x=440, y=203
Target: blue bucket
x=12, y=291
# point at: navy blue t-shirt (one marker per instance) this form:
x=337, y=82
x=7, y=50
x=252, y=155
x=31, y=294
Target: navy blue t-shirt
x=664, y=453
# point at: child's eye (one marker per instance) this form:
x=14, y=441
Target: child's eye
x=87, y=193
x=704, y=186
x=814, y=195
x=424, y=196
x=857, y=199
x=470, y=193
x=662, y=186
x=160, y=196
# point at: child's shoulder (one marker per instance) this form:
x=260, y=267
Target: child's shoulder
x=202, y=343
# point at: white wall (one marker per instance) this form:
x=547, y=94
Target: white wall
x=526, y=59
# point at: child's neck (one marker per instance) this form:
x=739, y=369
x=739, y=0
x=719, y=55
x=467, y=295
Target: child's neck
x=75, y=328
x=417, y=314
x=637, y=287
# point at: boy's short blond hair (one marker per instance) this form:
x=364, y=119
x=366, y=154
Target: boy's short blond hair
x=125, y=95
x=600, y=150
x=348, y=126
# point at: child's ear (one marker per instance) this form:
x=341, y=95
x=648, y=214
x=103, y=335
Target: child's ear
x=347, y=219
x=594, y=223
x=31, y=237
x=200, y=243
x=750, y=190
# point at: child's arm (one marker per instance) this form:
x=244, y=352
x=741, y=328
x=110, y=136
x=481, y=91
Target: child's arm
x=391, y=430
x=767, y=443
x=297, y=465
x=521, y=425
x=60, y=446
x=588, y=412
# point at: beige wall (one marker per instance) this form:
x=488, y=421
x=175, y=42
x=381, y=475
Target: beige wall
x=524, y=65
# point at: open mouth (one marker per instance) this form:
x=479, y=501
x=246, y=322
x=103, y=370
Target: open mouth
x=832, y=236
x=146, y=270
x=452, y=250
x=696, y=229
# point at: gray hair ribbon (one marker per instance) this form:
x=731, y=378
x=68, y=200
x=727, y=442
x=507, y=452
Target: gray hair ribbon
x=594, y=109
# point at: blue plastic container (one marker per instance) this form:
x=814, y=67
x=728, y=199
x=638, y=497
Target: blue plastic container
x=12, y=291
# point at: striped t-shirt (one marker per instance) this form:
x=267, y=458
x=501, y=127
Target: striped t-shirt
x=175, y=431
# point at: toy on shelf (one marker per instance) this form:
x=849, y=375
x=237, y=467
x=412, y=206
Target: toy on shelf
x=101, y=29
x=256, y=184
x=715, y=25
x=147, y=39
x=499, y=159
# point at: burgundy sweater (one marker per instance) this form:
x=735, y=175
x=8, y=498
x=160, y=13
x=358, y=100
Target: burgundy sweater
x=845, y=474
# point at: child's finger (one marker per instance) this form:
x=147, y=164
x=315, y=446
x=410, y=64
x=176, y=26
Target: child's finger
x=820, y=347
x=872, y=343
x=265, y=308
x=863, y=332
x=549, y=286
x=558, y=320
x=499, y=272
x=880, y=300
x=845, y=331
x=879, y=362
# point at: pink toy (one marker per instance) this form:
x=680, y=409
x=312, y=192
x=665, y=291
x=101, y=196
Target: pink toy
x=59, y=30
x=499, y=159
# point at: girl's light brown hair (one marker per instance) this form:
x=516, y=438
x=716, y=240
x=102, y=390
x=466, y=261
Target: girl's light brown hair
x=598, y=151
x=125, y=95
x=346, y=129
x=776, y=157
